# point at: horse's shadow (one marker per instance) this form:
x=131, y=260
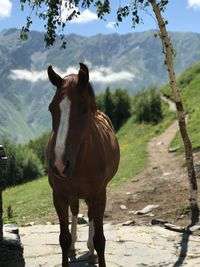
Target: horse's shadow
x=81, y=261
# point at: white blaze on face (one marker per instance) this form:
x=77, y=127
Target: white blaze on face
x=65, y=105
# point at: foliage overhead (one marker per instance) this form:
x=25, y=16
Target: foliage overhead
x=51, y=13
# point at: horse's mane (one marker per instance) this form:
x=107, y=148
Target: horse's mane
x=103, y=117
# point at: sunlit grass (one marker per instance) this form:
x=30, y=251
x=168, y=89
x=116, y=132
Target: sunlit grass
x=28, y=202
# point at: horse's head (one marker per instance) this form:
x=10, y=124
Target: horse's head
x=71, y=108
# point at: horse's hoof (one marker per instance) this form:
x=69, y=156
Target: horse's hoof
x=93, y=259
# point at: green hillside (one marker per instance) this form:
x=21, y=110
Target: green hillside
x=33, y=201
x=189, y=86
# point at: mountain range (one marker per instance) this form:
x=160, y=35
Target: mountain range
x=133, y=61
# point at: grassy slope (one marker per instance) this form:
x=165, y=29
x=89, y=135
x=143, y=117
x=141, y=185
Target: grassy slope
x=33, y=201
x=189, y=86
x=28, y=202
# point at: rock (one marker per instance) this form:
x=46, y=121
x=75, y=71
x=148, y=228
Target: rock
x=134, y=180
x=158, y=222
x=129, y=223
x=166, y=173
x=173, y=149
x=145, y=210
x=155, y=167
x=81, y=219
x=194, y=228
x=159, y=143
x=149, y=214
x=30, y=224
x=11, y=228
x=123, y=207
x=175, y=228
x=11, y=251
x=11, y=239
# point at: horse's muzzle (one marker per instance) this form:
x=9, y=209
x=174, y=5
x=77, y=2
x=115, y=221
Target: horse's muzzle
x=67, y=172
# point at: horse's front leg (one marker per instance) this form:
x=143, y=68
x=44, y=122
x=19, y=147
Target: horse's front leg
x=61, y=206
x=98, y=209
x=74, y=207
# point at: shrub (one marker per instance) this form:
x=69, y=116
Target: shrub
x=122, y=107
x=22, y=164
x=116, y=105
x=39, y=145
x=147, y=106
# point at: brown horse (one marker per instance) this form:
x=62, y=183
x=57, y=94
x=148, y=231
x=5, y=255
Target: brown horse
x=82, y=157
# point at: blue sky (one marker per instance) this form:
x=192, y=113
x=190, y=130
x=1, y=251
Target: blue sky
x=182, y=15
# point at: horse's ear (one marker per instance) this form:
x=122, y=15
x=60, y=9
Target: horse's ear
x=83, y=74
x=54, y=78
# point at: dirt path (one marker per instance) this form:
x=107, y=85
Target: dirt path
x=163, y=183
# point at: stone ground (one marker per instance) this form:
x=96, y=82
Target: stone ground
x=127, y=246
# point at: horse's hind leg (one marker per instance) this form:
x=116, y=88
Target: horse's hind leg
x=99, y=238
x=61, y=207
x=74, y=207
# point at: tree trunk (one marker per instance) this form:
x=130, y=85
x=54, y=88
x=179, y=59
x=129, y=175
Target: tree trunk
x=180, y=114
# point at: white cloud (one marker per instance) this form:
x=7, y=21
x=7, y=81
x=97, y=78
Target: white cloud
x=111, y=25
x=106, y=75
x=98, y=74
x=31, y=76
x=84, y=17
x=195, y=4
x=5, y=8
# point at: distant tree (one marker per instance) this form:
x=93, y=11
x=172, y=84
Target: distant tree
x=22, y=164
x=122, y=107
x=108, y=104
x=38, y=146
x=156, y=106
x=100, y=101
x=116, y=105
x=148, y=106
